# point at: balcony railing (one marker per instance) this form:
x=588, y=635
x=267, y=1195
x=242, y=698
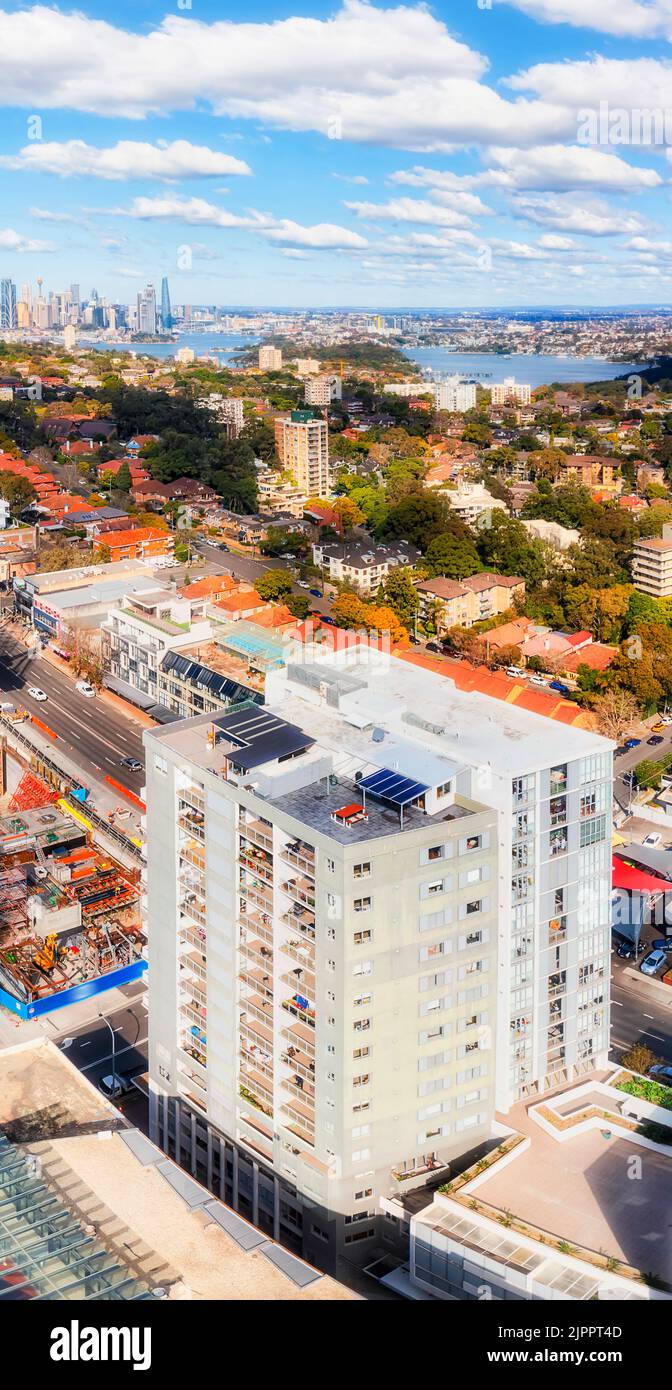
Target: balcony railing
x=258, y=979
x=257, y=1081
x=305, y=1014
x=300, y=1036
x=258, y=1007
x=259, y=833
x=303, y=952
x=301, y=1089
x=253, y=1058
x=258, y=924
x=300, y=920
x=247, y=1094
x=301, y=1120
x=191, y=827
x=301, y=890
x=193, y=797
x=194, y=907
x=302, y=858
x=299, y=1062
x=257, y=953
x=302, y=980
x=255, y=1032
x=255, y=893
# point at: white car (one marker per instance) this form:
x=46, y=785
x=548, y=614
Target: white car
x=35, y=693
x=538, y=680
x=515, y=671
x=652, y=841
x=301, y=584
x=666, y=719
x=85, y=689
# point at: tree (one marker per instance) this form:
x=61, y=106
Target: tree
x=419, y=517
x=123, y=480
x=101, y=555
x=452, y=556
x=298, y=605
x=18, y=491
x=273, y=584
x=348, y=514
x=505, y=546
x=616, y=712
x=639, y=1058
x=400, y=594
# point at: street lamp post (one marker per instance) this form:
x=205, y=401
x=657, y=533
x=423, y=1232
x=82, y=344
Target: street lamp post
x=114, y=1073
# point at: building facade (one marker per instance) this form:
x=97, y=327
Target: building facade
x=455, y=395
x=652, y=565
x=302, y=444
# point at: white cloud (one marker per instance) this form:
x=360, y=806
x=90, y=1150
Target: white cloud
x=324, y=236
x=47, y=215
x=197, y=212
x=14, y=241
x=410, y=210
x=351, y=178
x=293, y=253
x=563, y=213
x=551, y=242
x=128, y=159
x=561, y=167
x=625, y=18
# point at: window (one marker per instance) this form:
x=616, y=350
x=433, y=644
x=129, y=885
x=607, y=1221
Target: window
x=363, y=1193
x=160, y=764
x=362, y=1105
x=435, y=886
x=474, y=906
x=362, y=904
x=436, y=852
x=358, y=1216
x=557, y=842
x=362, y=1080
x=361, y=1052
x=331, y=865
x=365, y=967
x=361, y=1025
x=438, y=948
x=473, y=842
x=368, y=1234
x=361, y=870
x=360, y=1154
x=592, y=831
x=360, y=937
x=360, y=1000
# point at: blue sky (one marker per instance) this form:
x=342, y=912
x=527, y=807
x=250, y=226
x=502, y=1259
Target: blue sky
x=356, y=154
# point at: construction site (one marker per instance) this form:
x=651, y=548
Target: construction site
x=69, y=913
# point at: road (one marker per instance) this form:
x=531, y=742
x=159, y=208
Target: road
x=627, y=761
x=89, y=1048
x=94, y=734
x=638, y=1015
x=247, y=568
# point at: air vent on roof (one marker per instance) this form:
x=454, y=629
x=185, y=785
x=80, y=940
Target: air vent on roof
x=333, y=780
x=378, y=735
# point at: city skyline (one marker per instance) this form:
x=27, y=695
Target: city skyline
x=266, y=161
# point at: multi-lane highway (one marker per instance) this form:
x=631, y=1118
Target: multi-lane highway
x=91, y=732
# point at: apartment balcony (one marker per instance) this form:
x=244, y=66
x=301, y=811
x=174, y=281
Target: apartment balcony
x=250, y=1096
x=299, y=1062
x=256, y=952
x=300, y=1009
x=256, y=1006
x=258, y=1083
x=256, y=924
x=194, y=964
x=193, y=1014
x=191, y=854
x=193, y=906
x=259, y=867
x=301, y=890
x=258, y=832
x=254, y=1058
x=301, y=1089
x=193, y=936
x=192, y=1077
x=300, y=919
x=190, y=826
x=254, y=1033
x=300, y=1121
x=300, y=856
x=557, y=931
x=193, y=797
x=260, y=1131
x=191, y=992
x=301, y=1037
x=302, y=980
x=195, y=1050
x=257, y=978
x=255, y=893
x=303, y=952
x=557, y=985
x=413, y=1171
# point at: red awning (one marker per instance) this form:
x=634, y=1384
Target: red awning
x=624, y=876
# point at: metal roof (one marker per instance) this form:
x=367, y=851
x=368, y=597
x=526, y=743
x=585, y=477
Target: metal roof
x=393, y=787
x=222, y=687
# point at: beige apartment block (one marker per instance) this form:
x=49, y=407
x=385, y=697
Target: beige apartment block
x=652, y=565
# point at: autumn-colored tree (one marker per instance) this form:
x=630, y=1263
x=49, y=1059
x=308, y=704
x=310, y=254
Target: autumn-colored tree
x=615, y=712
x=348, y=514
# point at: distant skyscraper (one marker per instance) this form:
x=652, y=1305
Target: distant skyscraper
x=8, y=317
x=147, y=310
x=166, y=311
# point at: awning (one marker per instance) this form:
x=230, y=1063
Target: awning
x=392, y=787
x=634, y=880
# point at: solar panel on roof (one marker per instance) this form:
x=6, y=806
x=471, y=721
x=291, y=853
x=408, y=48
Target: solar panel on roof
x=393, y=786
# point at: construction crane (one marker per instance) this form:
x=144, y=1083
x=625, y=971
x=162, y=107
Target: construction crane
x=50, y=953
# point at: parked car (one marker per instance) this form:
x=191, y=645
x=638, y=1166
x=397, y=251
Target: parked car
x=85, y=689
x=654, y=740
x=626, y=950
x=618, y=752
x=560, y=687
x=302, y=585
x=514, y=671
x=538, y=680
x=632, y=743
x=133, y=764
x=666, y=719
x=653, y=963
x=213, y=543
x=434, y=647
x=661, y=1072
x=114, y=1087
x=222, y=546
x=35, y=693
x=325, y=619
x=317, y=593
x=658, y=728
x=652, y=841
x=662, y=944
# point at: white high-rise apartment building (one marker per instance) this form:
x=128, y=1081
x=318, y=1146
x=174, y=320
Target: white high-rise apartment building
x=302, y=445
x=322, y=390
x=270, y=359
x=510, y=392
x=390, y=911
x=455, y=395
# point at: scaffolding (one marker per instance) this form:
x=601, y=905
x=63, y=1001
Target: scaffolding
x=13, y=904
x=31, y=794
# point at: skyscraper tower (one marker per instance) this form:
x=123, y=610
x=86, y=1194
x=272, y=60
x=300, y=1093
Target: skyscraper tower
x=8, y=315
x=147, y=310
x=166, y=311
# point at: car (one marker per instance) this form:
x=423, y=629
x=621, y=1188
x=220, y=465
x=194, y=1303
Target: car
x=618, y=752
x=317, y=593
x=560, y=687
x=661, y=1073
x=663, y=943
x=626, y=949
x=666, y=719
x=630, y=779
x=36, y=694
x=659, y=727
x=115, y=1086
x=214, y=544
x=324, y=617
x=302, y=585
x=653, y=963
x=632, y=743
x=133, y=764
x=434, y=647
x=514, y=671
x=538, y=680
x=653, y=840
x=654, y=740
x=85, y=689
x=222, y=546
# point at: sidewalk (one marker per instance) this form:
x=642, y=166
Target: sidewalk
x=123, y=707
x=66, y=1020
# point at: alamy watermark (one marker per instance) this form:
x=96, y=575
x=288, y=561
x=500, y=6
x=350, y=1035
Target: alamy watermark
x=605, y=124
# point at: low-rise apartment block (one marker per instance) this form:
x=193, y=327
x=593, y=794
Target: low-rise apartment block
x=455, y=395
x=510, y=392
x=652, y=565
x=390, y=911
x=465, y=602
x=363, y=564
